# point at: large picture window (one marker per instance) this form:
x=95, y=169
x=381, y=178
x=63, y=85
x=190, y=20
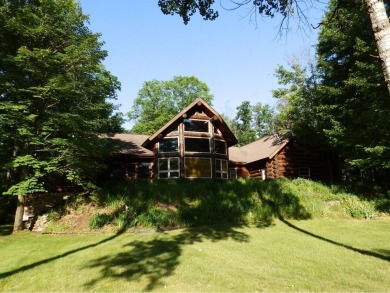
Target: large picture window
x=196, y=125
x=168, y=168
x=168, y=145
x=220, y=147
x=198, y=145
x=221, y=168
x=197, y=167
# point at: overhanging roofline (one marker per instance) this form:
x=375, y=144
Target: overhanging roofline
x=273, y=154
x=215, y=118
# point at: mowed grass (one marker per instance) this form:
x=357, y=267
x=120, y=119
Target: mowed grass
x=312, y=255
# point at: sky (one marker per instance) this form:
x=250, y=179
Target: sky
x=233, y=55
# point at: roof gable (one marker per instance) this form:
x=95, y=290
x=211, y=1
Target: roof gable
x=199, y=105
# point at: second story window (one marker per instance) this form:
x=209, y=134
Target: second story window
x=196, y=125
x=220, y=147
x=197, y=145
x=168, y=145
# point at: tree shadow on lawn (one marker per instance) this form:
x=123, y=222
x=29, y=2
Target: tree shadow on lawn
x=381, y=254
x=65, y=254
x=285, y=205
x=153, y=260
x=156, y=259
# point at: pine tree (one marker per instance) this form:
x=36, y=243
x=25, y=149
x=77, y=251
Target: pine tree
x=352, y=97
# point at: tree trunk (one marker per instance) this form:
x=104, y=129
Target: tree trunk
x=381, y=27
x=18, y=224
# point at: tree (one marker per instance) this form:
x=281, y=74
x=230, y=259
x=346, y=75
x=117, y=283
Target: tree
x=296, y=102
x=352, y=100
x=159, y=101
x=53, y=97
x=379, y=21
x=251, y=122
x=243, y=120
x=263, y=120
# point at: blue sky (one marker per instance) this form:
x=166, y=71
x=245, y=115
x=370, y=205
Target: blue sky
x=233, y=57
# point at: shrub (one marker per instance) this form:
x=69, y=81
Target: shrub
x=161, y=204
x=360, y=209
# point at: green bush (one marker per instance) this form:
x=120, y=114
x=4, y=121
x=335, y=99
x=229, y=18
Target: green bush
x=99, y=220
x=360, y=209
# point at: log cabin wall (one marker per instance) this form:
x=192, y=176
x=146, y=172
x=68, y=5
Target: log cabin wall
x=294, y=161
x=255, y=169
x=241, y=170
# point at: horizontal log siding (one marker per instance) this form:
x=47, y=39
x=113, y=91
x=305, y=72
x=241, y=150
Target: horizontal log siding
x=289, y=161
x=255, y=168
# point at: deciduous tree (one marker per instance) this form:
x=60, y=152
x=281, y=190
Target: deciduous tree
x=252, y=122
x=53, y=97
x=159, y=101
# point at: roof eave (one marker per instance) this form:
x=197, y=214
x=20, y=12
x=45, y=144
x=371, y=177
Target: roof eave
x=227, y=133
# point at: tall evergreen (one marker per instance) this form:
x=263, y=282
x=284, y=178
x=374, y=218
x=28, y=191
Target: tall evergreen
x=53, y=96
x=352, y=99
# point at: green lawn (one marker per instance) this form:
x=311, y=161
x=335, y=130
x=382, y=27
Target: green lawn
x=314, y=255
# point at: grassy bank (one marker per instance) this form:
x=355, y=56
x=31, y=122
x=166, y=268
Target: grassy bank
x=165, y=205
x=315, y=255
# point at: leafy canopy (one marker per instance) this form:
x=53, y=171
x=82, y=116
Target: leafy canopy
x=252, y=122
x=159, y=101
x=53, y=95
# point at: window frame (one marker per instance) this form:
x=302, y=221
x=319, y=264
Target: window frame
x=169, y=170
x=226, y=173
x=198, y=158
x=235, y=173
x=191, y=137
x=197, y=120
x=215, y=149
x=166, y=138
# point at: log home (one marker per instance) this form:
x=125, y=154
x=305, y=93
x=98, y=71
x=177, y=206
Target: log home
x=280, y=155
x=197, y=143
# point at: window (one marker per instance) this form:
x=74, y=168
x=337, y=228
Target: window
x=233, y=173
x=196, y=125
x=174, y=129
x=304, y=172
x=168, y=145
x=221, y=168
x=198, y=145
x=168, y=168
x=197, y=167
x=220, y=147
x=216, y=130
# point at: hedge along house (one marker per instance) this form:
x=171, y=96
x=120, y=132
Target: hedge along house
x=193, y=144
x=197, y=143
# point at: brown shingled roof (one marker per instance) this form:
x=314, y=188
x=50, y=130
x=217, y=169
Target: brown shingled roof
x=263, y=148
x=130, y=144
